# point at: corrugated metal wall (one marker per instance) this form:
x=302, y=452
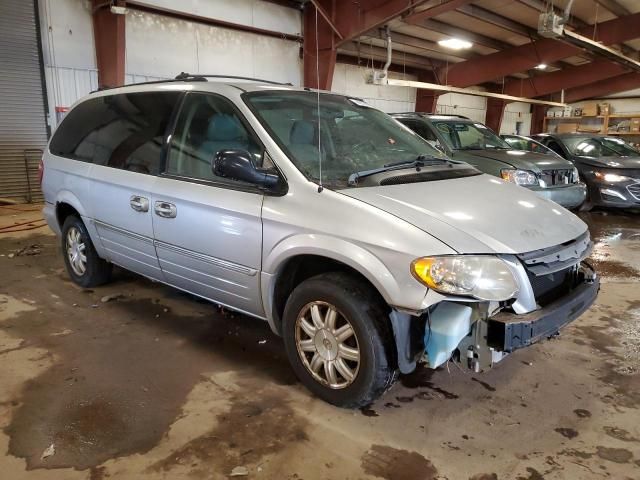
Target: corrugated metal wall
x=23, y=133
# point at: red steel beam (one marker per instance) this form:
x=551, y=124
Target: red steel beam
x=109, y=39
x=525, y=57
x=621, y=83
x=339, y=22
x=355, y=18
x=569, y=77
x=434, y=11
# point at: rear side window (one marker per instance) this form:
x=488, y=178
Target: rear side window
x=421, y=129
x=123, y=131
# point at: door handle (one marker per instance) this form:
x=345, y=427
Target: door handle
x=165, y=209
x=139, y=204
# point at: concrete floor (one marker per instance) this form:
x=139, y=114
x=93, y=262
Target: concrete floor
x=156, y=385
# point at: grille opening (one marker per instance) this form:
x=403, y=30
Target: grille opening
x=549, y=288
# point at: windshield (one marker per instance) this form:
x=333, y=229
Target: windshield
x=523, y=143
x=599, y=147
x=461, y=135
x=353, y=137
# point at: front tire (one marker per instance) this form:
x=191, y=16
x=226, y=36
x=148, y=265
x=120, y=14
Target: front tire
x=339, y=341
x=83, y=264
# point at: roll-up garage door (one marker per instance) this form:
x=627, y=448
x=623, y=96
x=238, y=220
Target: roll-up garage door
x=23, y=131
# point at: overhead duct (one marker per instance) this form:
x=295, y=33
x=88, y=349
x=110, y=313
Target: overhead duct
x=551, y=25
x=381, y=77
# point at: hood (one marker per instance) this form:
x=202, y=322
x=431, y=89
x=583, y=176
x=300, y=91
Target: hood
x=535, y=162
x=479, y=214
x=631, y=163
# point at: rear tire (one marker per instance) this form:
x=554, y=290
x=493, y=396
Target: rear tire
x=339, y=341
x=83, y=264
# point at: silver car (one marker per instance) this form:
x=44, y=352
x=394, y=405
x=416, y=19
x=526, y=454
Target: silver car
x=365, y=248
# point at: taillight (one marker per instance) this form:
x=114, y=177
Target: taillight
x=40, y=171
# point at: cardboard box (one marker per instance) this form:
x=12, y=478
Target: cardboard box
x=567, y=127
x=567, y=112
x=635, y=124
x=590, y=110
x=604, y=109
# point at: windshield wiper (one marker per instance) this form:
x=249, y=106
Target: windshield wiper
x=420, y=161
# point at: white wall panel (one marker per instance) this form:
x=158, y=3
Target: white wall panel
x=514, y=114
x=255, y=13
x=68, y=52
x=181, y=46
x=457, y=104
x=351, y=80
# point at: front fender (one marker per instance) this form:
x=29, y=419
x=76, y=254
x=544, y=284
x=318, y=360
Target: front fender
x=337, y=249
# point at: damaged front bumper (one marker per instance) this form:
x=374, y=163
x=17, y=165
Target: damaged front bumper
x=507, y=332
x=472, y=331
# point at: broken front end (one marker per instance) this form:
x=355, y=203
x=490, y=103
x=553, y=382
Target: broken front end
x=551, y=288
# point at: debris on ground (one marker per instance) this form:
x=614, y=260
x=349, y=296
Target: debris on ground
x=239, y=472
x=11, y=255
x=29, y=250
x=50, y=451
x=113, y=296
x=262, y=342
x=64, y=332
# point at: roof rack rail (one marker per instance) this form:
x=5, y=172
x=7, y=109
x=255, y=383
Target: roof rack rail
x=183, y=76
x=198, y=76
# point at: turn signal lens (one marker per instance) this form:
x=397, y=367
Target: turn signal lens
x=483, y=277
x=519, y=177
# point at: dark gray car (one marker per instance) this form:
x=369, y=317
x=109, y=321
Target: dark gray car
x=609, y=166
x=553, y=178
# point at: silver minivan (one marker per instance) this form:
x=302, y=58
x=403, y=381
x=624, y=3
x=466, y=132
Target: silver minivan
x=364, y=247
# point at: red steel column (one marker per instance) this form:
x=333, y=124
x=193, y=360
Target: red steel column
x=319, y=58
x=538, y=113
x=495, y=112
x=109, y=37
x=427, y=100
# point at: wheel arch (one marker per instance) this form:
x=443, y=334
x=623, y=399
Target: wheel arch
x=302, y=257
x=67, y=204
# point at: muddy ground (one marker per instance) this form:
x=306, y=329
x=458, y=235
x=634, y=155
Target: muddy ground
x=153, y=384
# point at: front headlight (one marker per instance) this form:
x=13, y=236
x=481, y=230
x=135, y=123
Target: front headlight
x=482, y=277
x=519, y=177
x=611, y=177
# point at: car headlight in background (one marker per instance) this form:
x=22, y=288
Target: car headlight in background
x=519, y=177
x=480, y=276
x=611, y=177
x=575, y=175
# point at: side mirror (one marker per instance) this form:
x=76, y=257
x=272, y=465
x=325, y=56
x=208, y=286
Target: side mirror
x=238, y=165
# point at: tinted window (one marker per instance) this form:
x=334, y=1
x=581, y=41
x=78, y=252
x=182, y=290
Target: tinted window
x=206, y=125
x=599, y=147
x=420, y=128
x=122, y=131
x=555, y=146
x=469, y=136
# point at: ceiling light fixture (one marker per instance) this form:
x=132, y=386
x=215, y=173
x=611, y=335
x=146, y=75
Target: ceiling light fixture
x=455, y=43
x=542, y=66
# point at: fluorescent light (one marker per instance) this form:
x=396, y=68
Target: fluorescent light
x=542, y=66
x=455, y=43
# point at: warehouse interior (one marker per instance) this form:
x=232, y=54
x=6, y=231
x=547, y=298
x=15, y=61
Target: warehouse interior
x=138, y=379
